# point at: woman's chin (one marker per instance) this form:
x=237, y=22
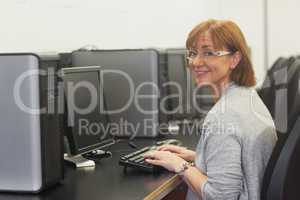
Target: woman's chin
x=202, y=81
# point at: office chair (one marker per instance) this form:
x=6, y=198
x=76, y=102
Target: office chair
x=278, y=92
x=287, y=105
x=267, y=91
x=284, y=137
x=285, y=177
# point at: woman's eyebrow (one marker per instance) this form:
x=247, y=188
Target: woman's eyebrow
x=206, y=46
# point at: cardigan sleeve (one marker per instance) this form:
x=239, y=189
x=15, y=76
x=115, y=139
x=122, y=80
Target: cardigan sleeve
x=222, y=155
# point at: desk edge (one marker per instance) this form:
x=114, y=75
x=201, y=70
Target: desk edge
x=165, y=188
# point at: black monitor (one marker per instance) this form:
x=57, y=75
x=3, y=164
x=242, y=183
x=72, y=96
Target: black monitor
x=88, y=127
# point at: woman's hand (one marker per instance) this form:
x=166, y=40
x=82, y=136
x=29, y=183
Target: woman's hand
x=165, y=159
x=182, y=152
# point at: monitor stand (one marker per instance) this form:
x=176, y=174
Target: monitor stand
x=79, y=161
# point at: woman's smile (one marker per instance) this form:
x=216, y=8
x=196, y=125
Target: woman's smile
x=201, y=71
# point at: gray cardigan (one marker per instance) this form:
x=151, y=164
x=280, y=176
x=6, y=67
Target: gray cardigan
x=238, y=136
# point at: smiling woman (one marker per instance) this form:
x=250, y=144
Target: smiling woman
x=217, y=43
x=231, y=154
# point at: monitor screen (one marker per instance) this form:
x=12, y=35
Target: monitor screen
x=88, y=126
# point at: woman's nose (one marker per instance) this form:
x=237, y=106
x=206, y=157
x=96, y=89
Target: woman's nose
x=198, y=61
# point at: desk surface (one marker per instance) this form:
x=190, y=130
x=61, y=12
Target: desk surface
x=108, y=180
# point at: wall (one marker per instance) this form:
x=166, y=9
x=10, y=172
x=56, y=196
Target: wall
x=249, y=15
x=65, y=25
x=284, y=31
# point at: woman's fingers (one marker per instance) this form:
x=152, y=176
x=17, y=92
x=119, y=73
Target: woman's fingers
x=172, y=148
x=161, y=158
x=152, y=155
x=158, y=155
x=167, y=147
x=155, y=162
x=154, y=158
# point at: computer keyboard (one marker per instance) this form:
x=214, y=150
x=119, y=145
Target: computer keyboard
x=136, y=159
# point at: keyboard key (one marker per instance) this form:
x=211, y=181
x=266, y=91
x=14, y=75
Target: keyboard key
x=140, y=160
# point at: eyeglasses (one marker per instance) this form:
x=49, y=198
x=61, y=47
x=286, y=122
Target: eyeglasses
x=192, y=54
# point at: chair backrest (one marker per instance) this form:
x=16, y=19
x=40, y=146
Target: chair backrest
x=286, y=106
x=285, y=178
x=294, y=95
x=267, y=91
x=291, y=102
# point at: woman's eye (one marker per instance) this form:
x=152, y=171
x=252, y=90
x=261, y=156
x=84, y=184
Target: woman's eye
x=208, y=53
x=193, y=53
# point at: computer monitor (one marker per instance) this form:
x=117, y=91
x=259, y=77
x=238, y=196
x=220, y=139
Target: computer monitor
x=179, y=74
x=196, y=100
x=88, y=127
x=129, y=80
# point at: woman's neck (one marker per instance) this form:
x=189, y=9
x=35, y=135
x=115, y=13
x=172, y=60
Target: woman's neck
x=221, y=88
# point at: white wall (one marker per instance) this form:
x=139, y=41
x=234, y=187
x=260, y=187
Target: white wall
x=283, y=36
x=284, y=29
x=249, y=15
x=65, y=25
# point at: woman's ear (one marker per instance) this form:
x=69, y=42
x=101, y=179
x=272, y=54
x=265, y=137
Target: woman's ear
x=236, y=58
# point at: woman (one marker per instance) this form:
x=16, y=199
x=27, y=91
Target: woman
x=238, y=133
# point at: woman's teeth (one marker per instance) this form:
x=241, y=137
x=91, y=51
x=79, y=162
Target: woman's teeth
x=200, y=72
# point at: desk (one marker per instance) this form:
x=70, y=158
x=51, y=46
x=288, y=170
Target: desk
x=108, y=181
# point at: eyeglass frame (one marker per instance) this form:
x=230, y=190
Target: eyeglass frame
x=214, y=54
